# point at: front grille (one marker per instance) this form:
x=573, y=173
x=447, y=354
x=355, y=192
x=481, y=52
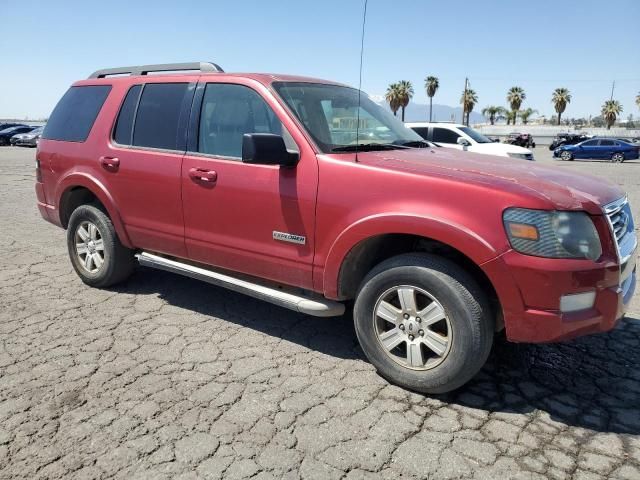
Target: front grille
x=621, y=222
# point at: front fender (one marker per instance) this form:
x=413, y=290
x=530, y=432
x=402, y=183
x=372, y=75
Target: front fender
x=478, y=249
x=81, y=179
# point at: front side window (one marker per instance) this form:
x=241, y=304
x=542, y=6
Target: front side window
x=158, y=116
x=75, y=113
x=444, y=135
x=332, y=117
x=607, y=143
x=590, y=143
x=228, y=112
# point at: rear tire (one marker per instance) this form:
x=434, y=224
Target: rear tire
x=97, y=255
x=617, y=157
x=423, y=353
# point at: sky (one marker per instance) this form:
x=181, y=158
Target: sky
x=539, y=45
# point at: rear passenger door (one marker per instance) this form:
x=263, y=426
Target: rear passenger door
x=606, y=149
x=142, y=163
x=233, y=211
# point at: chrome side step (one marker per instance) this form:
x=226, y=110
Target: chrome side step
x=311, y=305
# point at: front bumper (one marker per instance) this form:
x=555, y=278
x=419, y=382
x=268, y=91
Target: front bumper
x=530, y=288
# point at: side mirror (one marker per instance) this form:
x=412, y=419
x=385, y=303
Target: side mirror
x=462, y=141
x=267, y=149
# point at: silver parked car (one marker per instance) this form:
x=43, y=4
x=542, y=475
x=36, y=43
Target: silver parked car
x=29, y=139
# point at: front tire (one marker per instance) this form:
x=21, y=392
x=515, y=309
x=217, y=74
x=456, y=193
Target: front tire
x=423, y=322
x=566, y=156
x=97, y=255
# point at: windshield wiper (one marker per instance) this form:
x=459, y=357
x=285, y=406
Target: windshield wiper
x=366, y=147
x=417, y=144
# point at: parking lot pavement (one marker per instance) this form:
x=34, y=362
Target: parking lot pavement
x=166, y=377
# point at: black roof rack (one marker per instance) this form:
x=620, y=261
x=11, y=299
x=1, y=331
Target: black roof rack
x=162, y=67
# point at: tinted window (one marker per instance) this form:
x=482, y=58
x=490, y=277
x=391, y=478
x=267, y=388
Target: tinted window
x=158, y=116
x=422, y=131
x=443, y=135
x=124, y=125
x=607, y=143
x=590, y=143
x=230, y=111
x=73, y=117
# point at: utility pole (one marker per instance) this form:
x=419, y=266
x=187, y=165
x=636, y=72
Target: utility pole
x=464, y=104
x=613, y=86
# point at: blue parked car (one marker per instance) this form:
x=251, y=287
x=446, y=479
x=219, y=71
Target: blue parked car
x=611, y=149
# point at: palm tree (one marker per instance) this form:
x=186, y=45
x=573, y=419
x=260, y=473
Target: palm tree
x=493, y=113
x=393, y=97
x=405, y=94
x=610, y=111
x=511, y=116
x=468, y=100
x=525, y=114
x=638, y=100
x=515, y=97
x=431, y=85
x=560, y=98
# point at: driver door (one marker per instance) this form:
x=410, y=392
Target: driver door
x=235, y=213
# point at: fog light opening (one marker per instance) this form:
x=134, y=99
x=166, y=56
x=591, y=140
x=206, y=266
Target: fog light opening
x=577, y=301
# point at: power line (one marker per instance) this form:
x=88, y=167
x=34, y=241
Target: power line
x=364, y=21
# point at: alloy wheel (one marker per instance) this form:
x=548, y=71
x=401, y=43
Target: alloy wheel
x=412, y=327
x=89, y=247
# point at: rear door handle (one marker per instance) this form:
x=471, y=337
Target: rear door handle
x=110, y=163
x=203, y=175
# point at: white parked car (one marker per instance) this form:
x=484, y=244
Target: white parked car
x=453, y=135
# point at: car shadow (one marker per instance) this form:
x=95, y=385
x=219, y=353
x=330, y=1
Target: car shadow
x=591, y=382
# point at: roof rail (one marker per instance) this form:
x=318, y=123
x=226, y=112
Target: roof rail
x=162, y=67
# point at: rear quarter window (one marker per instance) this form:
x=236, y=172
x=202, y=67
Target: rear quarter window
x=75, y=113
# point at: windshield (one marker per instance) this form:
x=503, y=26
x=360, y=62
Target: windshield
x=329, y=113
x=476, y=136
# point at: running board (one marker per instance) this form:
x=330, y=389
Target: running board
x=311, y=305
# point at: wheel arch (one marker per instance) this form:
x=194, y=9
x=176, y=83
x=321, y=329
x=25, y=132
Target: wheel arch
x=365, y=245
x=79, y=189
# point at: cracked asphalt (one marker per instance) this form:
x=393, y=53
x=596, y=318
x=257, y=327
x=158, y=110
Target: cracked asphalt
x=166, y=377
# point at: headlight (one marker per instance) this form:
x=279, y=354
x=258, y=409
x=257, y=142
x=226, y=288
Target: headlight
x=552, y=234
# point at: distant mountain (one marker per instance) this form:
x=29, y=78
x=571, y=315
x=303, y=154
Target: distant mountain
x=419, y=112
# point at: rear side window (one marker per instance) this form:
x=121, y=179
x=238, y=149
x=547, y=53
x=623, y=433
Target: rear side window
x=75, y=113
x=158, y=117
x=422, y=131
x=444, y=135
x=124, y=125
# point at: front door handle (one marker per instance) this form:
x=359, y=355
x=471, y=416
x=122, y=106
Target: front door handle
x=110, y=163
x=203, y=175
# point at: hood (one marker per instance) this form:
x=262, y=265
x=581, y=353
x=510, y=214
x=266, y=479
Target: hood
x=559, y=188
x=499, y=148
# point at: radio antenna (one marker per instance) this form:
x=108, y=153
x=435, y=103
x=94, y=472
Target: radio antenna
x=364, y=22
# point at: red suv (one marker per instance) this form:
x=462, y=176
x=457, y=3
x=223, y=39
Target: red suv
x=307, y=194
